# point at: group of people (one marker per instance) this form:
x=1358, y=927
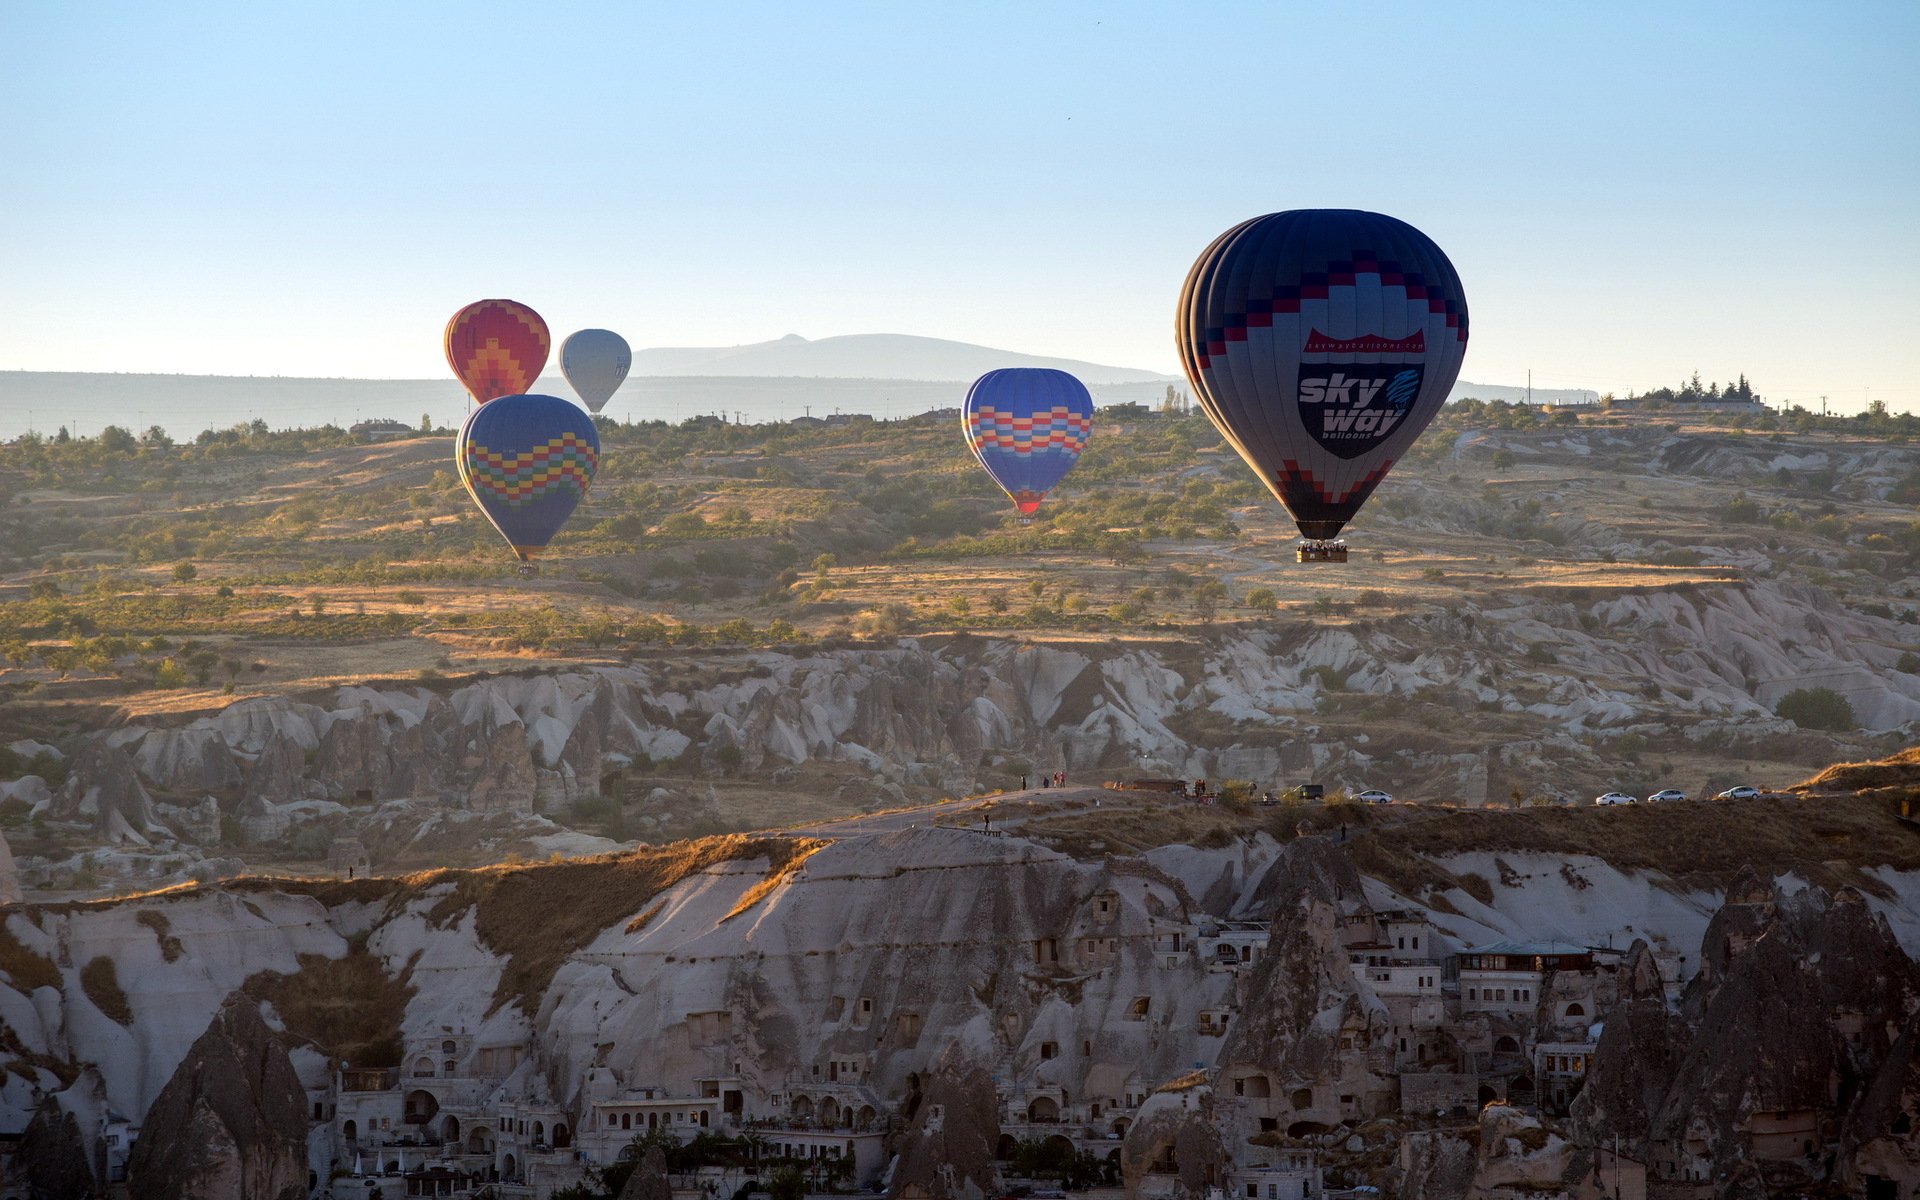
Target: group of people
x=1057, y=779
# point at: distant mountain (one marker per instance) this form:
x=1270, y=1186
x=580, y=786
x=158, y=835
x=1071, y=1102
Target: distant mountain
x=869, y=356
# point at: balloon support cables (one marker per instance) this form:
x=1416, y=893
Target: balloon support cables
x=1319, y=551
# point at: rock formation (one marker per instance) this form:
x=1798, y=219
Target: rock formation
x=649, y=1179
x=9, y=874
x=948, y=1150
x=103, y=789
x=231, y=1124
x=1700, y=1094
x=1177, y=1123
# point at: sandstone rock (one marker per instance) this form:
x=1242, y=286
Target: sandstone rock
x=30, y=790
x=1827, y=982
x=262, y=821
x=948, y=1150
x=196, y=823
x=187, y=760
x=1177, y=1121
x=1436, y=1166
x=9, y=874
x=101, y=786
x=494, y=769
x=231, y=1123
x=54, y=1155
x=1878, y=1141
x=277, y=775
x=649, y=1179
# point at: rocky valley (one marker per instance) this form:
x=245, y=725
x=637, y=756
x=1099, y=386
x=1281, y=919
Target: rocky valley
x=340, y=860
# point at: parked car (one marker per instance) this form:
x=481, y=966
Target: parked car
x=1615, y=798
x=1743, y=792
x=1374, y=796
x=1666, y=794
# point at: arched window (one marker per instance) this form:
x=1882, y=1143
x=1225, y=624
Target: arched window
x=561, y=1138
x=626, y=1120
x=423, y=1067
x=351, y=1130
x=1576, y=1009
x=539, y=1131
x=449, y=1047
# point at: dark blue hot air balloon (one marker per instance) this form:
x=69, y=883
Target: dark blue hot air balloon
x=527, y=461
x=1027, y=426
x=1321, y=342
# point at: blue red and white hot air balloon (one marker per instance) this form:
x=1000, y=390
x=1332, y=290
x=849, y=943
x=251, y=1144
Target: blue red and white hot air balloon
x=1027, y=426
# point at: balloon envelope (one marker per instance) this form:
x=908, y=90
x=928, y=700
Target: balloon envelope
x=496, y=348
x=1321, y=342
x=527, y=462
x=595, y=362
x=1027, y=426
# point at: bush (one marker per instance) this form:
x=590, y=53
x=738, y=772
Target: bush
x=1818, y=708
x=1262, y=600
x=184, y=572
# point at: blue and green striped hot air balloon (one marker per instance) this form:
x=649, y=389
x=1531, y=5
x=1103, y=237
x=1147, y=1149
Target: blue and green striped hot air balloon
x=527, y=461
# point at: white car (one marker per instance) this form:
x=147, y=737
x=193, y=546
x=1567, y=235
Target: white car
x=1666, y=794
x=1374, y=796
x=1742, y=792
x=1615, y=798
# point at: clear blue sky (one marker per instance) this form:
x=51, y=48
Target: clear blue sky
x=1630, y=191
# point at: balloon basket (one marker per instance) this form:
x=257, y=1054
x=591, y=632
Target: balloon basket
x=527, y=570
x=1315, y=551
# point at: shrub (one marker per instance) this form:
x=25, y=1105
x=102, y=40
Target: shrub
x=184, y=572
x=1818, y=708
x=1262, y=600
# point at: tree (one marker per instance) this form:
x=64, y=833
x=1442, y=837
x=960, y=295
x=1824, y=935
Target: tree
x=1262, y=600
x=787, y=1183
x=157, y=438
x=114, y=439
x=184, y=572
x=1818, y=708
x=426, y=423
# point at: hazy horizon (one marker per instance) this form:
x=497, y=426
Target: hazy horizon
x=1629, y=194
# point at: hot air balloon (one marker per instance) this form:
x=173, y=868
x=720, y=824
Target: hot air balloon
x=527, y=462
x=497, y=348
x=595, y=362
x=1027, y=426
x=1321, y=342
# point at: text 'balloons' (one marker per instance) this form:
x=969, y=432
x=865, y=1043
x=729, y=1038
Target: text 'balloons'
x=1321, y=342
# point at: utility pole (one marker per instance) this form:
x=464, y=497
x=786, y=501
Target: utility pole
x=1529, y=387
x=1823, y=406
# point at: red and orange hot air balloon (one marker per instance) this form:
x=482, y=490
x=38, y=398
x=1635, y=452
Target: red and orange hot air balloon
x=497, y=348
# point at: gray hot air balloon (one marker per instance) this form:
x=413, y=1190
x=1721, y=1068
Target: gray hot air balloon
x=595, y=362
